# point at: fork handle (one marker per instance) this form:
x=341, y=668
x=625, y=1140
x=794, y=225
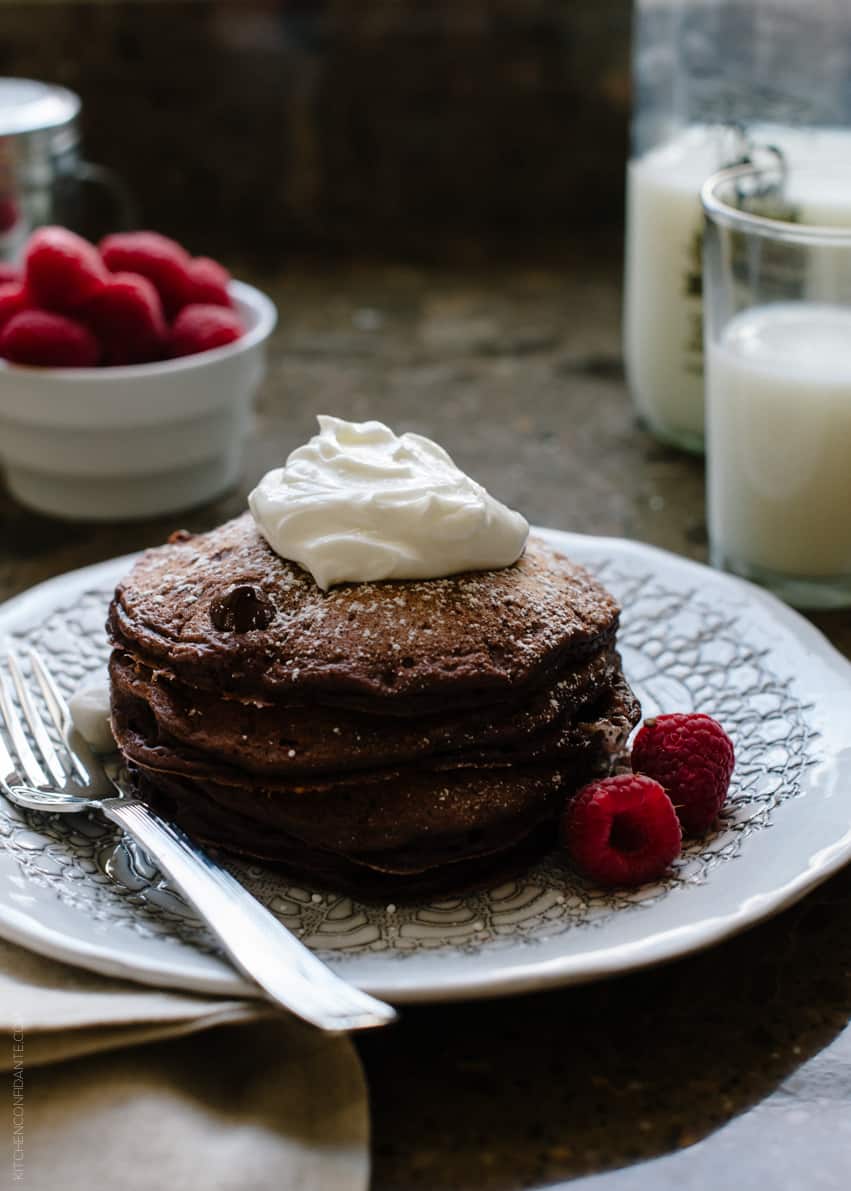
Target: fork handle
x=256, y=941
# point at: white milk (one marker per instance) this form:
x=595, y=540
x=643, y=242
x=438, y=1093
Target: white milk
x=663, y=311
x=779, y=440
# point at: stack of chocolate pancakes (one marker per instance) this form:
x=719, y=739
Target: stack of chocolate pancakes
x=377, y=736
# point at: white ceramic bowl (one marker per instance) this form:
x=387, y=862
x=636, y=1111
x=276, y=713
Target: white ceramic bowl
x=111, y=444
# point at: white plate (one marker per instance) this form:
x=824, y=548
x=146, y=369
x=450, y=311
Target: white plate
x=692, y=639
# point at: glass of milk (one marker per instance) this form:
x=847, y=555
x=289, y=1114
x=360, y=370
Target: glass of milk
x=777, y=334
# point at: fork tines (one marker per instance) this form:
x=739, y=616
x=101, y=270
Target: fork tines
x=28, y=752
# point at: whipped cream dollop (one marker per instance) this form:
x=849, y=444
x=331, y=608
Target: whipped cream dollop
x=359, y=503
x=89, y=707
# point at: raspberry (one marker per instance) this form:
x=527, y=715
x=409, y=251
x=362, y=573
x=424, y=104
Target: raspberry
x=13, y=298
x=622, y=830
x=164, y=262
x=9, y=273
x=198, y=328
x=49, y=340
x=692, y=757
x=62, y=269
x=127, y=316
x=209, y=282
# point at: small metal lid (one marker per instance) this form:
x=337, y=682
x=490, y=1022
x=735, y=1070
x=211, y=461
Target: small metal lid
x=27, y=106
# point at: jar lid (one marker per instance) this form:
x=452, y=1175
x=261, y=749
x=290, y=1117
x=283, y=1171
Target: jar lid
x=30, y=106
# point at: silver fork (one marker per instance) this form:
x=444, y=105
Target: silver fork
x=38, y=773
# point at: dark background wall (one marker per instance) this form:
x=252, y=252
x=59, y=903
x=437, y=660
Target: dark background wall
x=435, y=130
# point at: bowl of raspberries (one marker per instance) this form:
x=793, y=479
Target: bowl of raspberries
x=127, y=375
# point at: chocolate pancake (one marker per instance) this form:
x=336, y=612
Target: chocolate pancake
x=223, y=613
x=600, y=728
x=407, y=823
x=332, y=870
x=406, y=820
x=302, y=739
x=393, y=736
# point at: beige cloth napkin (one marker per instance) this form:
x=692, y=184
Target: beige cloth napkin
x=261, y=1101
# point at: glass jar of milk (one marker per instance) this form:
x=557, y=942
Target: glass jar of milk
x=715, y=83
x=778, y=385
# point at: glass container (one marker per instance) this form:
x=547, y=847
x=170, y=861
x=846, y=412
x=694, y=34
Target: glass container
x=42, y=174
x=778, y=383
x=716, y=82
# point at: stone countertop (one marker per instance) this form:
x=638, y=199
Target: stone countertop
x=732, y=1067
